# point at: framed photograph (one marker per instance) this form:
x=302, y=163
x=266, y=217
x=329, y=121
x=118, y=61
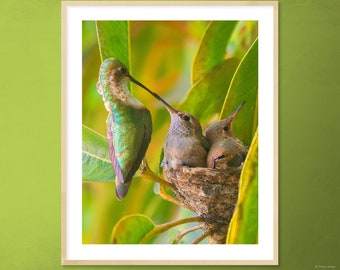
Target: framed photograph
x=170, y=133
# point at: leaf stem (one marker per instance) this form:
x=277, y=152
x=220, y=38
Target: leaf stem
x=202, y=237
x=185, y=232
x=169, y=198
x=146, y=172
x=166, y=226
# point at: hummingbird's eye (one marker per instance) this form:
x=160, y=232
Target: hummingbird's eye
x=226, y=128
x=123, y=70
x=186, y=118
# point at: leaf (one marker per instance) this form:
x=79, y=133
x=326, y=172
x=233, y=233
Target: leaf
x=212, y=49
x=113, y=39
x=95, y=157
x=243, y=37
x=206, y=97
x=243, y=228
x=131, y=229
x=244, y=87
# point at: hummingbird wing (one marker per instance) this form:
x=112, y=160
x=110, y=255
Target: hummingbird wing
x=121, y=188
x=142, y=140
x=114, y=161
x=130, y=140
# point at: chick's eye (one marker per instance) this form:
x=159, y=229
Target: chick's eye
x=226, y=128
x=186, y=118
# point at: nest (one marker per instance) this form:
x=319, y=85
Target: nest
x=210, y=193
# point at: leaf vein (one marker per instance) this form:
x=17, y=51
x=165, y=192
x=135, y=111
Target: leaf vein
x=95, y=156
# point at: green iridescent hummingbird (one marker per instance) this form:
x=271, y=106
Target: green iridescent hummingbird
x=129, y=125
x=226, y=150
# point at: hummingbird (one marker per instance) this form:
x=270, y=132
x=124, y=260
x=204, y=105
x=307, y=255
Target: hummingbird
x=185, y=144
x=226, y=150
x=128, y=125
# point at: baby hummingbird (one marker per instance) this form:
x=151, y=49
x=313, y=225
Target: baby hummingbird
x=226, y=150
x=185, y=144
x=129, y=125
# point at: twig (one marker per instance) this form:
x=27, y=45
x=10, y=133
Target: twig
x=166, y=226
x=146, y=172
x=168, y=197
x=202, y=237
x=185, y=232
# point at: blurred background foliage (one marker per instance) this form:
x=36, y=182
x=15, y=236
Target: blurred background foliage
x=162, y=56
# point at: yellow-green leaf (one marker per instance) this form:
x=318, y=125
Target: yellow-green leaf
x=244, y=87
x=131, y=229
x=212, y=49
x=95, y=157
x=243, y=228
x=113, y=39
x=206, y=97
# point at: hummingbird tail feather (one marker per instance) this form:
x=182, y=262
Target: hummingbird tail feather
x=121, y=189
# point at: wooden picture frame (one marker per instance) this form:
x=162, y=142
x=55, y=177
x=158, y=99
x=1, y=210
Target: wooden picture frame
x=74, y=252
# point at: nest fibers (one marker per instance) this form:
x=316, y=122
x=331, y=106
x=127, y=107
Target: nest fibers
x=210, y=193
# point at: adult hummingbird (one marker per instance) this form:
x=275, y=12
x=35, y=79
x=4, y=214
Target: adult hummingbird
x=185, y=144
x=129, y=125
x=226, y=150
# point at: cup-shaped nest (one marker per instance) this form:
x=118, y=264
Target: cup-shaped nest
x=210, y=193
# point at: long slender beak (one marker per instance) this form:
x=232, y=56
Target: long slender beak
x=234, y=113
x=166, y=105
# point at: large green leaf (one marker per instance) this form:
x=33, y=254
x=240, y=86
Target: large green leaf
x=206, y=97
x=244, y=87
x=113, y=39
x=131, y=229
x=212, y=49
x=95, y=157
x=243, y=228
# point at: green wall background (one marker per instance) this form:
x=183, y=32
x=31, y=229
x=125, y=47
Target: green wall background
x=309, y=92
